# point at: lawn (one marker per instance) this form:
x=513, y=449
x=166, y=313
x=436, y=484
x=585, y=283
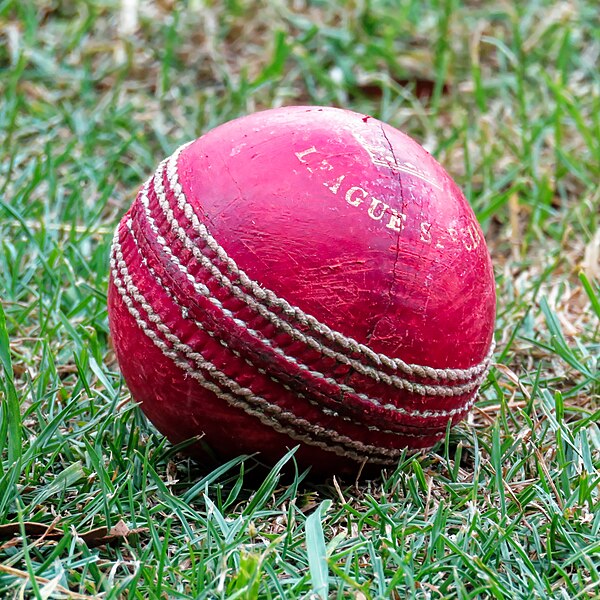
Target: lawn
x=94, y=503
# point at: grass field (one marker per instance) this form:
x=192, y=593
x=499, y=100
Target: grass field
x=92, y=95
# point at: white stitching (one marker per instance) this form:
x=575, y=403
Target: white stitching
x=203, y=290
x=414, y=413
x=130, y=292
x=263, y=294
x=392, y=380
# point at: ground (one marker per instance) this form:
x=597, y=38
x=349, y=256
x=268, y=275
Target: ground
x=93, y=94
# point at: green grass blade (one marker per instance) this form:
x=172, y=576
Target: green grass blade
x=11, y=411
x=317, y=551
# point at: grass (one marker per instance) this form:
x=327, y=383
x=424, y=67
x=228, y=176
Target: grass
x=507, y=96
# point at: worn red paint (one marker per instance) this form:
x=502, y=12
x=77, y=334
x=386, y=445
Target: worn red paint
x=341, y=216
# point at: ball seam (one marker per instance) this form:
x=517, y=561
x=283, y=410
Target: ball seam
x=203, y=290
x=290, y=359
x=261, y=293
x=129, y=292
x=379, y=376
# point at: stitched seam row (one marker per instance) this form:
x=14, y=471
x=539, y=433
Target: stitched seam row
x=265, y=295
x=242, y=397
x=201, y=326
x=379, y=376
x=203, y=290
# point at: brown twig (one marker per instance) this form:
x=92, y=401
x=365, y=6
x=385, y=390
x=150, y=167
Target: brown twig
x=44, y=580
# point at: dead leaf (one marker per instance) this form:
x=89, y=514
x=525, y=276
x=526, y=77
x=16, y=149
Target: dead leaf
x=421, y=87
x=31, y=530
x=100, y=536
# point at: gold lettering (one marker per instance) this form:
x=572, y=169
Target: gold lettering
x=397, y=220
x=465, y=241
x=350, y=199
x=473, y=236
x=374, y=204
x=334, y=186
x=426, y=232
x=301, y=155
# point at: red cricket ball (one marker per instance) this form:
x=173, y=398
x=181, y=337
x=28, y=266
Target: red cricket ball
x=307, y=276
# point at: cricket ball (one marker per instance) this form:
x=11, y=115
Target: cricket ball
x=302, y=276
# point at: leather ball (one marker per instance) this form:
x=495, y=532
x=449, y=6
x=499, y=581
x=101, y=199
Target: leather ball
x=302, y=276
